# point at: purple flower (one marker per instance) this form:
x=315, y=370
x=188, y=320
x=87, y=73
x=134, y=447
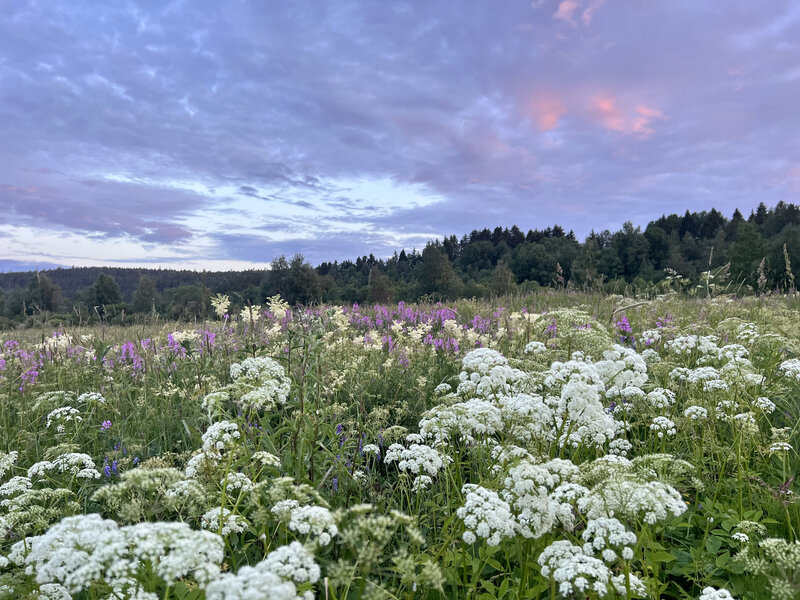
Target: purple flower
x=105, y=426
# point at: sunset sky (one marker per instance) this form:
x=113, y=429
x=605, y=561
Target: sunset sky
x=221, y=134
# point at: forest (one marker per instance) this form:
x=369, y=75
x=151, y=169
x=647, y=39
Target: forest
x=742, y=255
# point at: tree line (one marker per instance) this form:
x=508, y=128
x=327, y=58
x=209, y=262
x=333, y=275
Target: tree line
x=751, y=254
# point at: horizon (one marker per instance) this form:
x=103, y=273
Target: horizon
x=268, y=266
x=218, y=136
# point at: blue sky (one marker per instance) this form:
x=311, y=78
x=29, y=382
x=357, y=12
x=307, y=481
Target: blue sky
x=221, y=134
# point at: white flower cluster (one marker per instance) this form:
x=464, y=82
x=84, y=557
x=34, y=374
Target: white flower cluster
x=235, y=481
x=650, y=501
x=220, y=436
x=710, y=593
x=486, y=373
x=223, y=521
x=256, y=368
x=791, y=368
x=269, y=378
x=608, y=536
x=7, y=460
x=267, y=459
x=581, y=417
x=661, y=398
x=527, y=490
x=83, y=550
x=535, y=348
x=765, y=404
x=527, y=418
x=277, y=577
x=621, y=368
x=573, y=570
x=91, y=398
x=61, y=416
x=475, y=418
x=78, y=464
x=485, y=515
x=417, y=458
x=620, y=446
x=747, y=332
x=316, y=521
x=663, y=426
x=686, y=344
x=651, y=336
x=695, y=413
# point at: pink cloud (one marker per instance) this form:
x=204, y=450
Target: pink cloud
x=638, y=121
x=588, y=14
x=548, y=112
x=566, y=12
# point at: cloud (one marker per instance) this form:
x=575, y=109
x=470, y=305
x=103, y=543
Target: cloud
x=566, y=11
x=548, y=112
x=638, y=121
x=156, y=130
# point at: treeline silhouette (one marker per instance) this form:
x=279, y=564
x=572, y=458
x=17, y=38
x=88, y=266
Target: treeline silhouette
x=749, y=254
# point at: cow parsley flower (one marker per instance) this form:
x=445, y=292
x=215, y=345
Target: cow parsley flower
x=650, y=501
x=608, y=536
x=236, y=481
x=663, y=426
x=573, y=570
x=293, y=563
x=485, y=515
x=316, y=521
x=77, y=464
x=791, y=368
x=417, y=458
x=257, y=368
x=765, y=404
x=535, y=348
x=661, y=398
x=221, y=436
x=710, y=593
x=696, y=413
x=7, y=460
x=91, y=398
x=223, y=521
x=61, y=416
x=267, y=459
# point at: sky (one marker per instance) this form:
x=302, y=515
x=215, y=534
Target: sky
x=221, y=134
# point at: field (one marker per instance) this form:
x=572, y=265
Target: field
x=556, y=445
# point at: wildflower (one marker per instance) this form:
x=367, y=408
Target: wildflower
x=61, y=416
x=663, y=426
x=314, y=520
x=223, y=521
x=695, y=413
x=573, y=570
x=710, y=593
x=273, y=578
x=485, y=515
x=791, y=368
x=780, y=447
x=105, y=425
x=221, y=303
x=7, y=460
x=740, y=537
x=267, y=459
x=765, y=404
x=416, y=458
x=607, y=535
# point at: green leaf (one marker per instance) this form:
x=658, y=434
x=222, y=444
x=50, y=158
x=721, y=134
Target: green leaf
x=661, y=556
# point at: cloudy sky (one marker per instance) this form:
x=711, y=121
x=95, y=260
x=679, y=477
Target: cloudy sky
x=220, y=134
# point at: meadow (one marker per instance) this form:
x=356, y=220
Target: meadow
x=554, y=445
